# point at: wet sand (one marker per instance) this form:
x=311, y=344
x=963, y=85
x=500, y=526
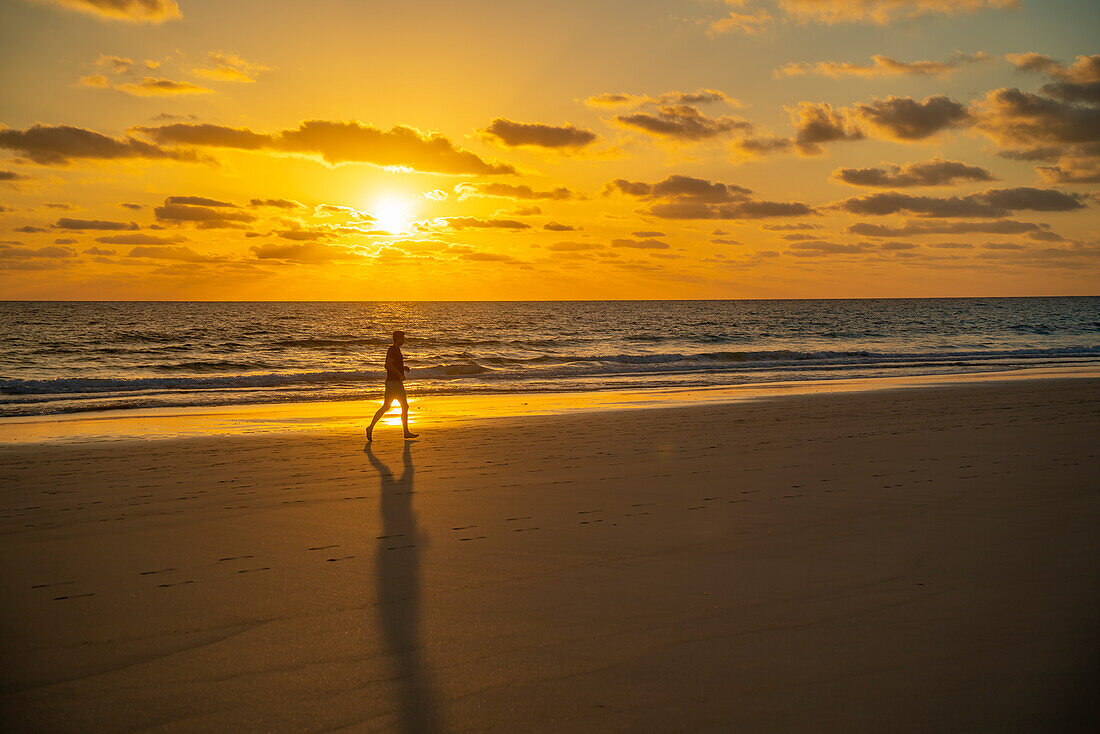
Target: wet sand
x=906, y=561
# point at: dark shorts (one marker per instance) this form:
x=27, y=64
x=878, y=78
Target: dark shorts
x=395, y=390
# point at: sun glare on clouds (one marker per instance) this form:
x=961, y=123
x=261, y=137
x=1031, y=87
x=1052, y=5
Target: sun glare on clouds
x=392, y=213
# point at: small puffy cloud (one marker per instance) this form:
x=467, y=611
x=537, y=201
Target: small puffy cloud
x=1030, y=126
x=493, y=257
x=910, y=229
x=59, y=145
x=128, y=205
x=679, y=186
x=303, y=235
x=64, y=241
x=198, y=201
x=129, y=11
x=12, y=176
x=1078, y=82
x=645, y=244
x=557, y=227
x=159, y=87
x=305, y=253
x=95, y=224
x=94, y=81
x=114, y=64
x=749, y=23
x=990, y=203
x=225, y=67
x=519, y=211
x=882, y=11
x=276, y=203
x=686, y=197
x=798, y=227
x=510, y=191
x=206, y=217
x=180, y=253
x=648, y=233
x=820, y=123
x=907, y=119
x=30, y=229
x=536, y=134
x=882, y=66
x=822, y=247
x=622, y=99
x=100, y=251
x=574, y=246
x=138, y=239
x=476, y=223
x=339, y=142
x=1075, y=172
x=682, y=122
x=935, y=172
x=18, y=252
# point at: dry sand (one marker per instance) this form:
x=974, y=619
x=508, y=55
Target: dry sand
x=895, y=561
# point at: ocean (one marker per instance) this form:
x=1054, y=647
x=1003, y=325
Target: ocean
x=62, y=357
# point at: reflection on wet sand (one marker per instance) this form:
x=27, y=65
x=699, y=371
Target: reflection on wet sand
x=398, y=577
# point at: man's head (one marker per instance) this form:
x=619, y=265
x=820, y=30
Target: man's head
x=398, y=338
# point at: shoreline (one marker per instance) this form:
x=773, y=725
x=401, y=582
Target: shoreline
x=432, y=411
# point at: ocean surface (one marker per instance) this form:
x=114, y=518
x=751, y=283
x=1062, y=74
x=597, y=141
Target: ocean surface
x=67, y=357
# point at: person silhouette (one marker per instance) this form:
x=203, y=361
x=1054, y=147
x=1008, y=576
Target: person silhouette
x=395, y=387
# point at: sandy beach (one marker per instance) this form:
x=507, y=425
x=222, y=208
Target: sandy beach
x=895, y=560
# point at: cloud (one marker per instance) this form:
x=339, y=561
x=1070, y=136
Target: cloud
x=510, y=191
x=648, y=233
x=750, y=24
x=159, y=87
x=646, y=244
x=1027, y=126
x=909, y=229
x=821, y=247
x=476, y=223
x=198, y=201
x=786, y=227
x=622, y=99
x=989, y=203
x=519, y=211
x=556, y=227
x=12, y=176
x=102, y=252
x=882, y=11
x=205, y=217
x=172, y=252
x=276, y=203
x=310, y=252
x=114, y=64
x=682, y=122
x=138, y=239
x=906, y=119
x=1078, y=82
x=820, y=123
x=935, y=172
x=84, y=224
x=16, y=252
x=225, y=67
x=882, y=66
x=574, y=246
x=491, y=257
x=303, y=235
x=515, y=134
x=127, y=205
x=698, y=189
x=685, y=197
x=1074, y=173
x=30, y=229
x=58, y=145
x=129, y=11
x=339, y=142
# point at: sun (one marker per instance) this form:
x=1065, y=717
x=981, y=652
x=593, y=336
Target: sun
x=392, y=213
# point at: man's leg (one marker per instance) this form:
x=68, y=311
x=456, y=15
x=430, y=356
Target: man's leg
x=405, y=415
x=378, y=416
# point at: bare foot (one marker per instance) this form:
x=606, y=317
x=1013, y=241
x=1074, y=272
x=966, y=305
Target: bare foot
x=409, y=435
x=369, y=432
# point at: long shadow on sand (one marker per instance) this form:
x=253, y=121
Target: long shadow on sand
x=398, y=576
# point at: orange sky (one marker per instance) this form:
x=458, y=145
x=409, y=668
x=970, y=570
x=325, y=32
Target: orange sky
x=196, y=149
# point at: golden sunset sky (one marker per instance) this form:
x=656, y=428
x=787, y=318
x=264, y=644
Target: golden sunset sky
x=493, y=149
